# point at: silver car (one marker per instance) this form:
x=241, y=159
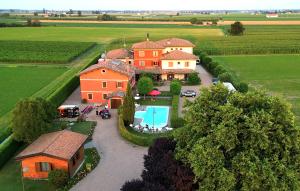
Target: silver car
x=188, y=93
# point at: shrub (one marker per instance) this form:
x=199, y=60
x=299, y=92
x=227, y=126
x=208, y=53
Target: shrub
x=7, y=149
x=193, y=79
x=145, y=85
x=175, y=120
x=58, y=177
x=219, y=70
x=243, y=87
x=175, y=87
x=225, y=77
x=133, y=185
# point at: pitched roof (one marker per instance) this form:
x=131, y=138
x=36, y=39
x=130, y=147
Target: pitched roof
x=152, y=70
x=115, y=65
x=179, y=55
x=147, y=45
x=175, y=42
x=62, y=144
x=121, y=53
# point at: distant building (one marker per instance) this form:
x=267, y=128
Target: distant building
x=272, y=15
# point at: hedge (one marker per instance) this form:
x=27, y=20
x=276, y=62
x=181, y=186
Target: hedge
x=7, y=149
x=141, y=139
x=218, y=70
x=176, y=121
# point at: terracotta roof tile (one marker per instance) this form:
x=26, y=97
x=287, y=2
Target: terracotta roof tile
x=119, y=54
x=175, y=42
x=147, y=45
x=115, y=65
x=62, y=144
x=179, y=55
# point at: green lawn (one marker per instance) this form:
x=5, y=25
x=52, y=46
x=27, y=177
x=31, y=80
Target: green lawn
x=20, y=82
x=148, y=101
x=96, y=34
x=279, y=74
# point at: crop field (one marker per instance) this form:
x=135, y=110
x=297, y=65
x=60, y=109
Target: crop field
x=256, y=40
x=102, y=35
x=41, y=52
x=23, y=81
x=279, y=74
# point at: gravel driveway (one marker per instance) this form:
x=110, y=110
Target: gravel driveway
x=120, y=160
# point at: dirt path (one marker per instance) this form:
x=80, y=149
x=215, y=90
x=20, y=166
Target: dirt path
x=262, y=22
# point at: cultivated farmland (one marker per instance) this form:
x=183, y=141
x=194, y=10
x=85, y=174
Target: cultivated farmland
x=279, y=74
x=41, y=52
x=257, y=40
x=25, y=82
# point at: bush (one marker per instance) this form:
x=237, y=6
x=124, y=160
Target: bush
x=58, y=177
x=133, y=185
x=176, y=121
x=7, y=149
x=243, y=87
x=193, y=79
x=225, y=77
x=219, y=70
x=175, y=87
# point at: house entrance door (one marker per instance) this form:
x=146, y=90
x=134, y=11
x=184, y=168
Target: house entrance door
x=170, y=76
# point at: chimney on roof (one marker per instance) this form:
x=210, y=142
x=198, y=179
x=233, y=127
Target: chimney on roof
x=147, y=36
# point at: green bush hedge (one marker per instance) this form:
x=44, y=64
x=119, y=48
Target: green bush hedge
x=193, y=79
x=58, y=177
x=7, y=149
x=141, y=139
x=222, y=73
x=176, y=121
x=175, y=87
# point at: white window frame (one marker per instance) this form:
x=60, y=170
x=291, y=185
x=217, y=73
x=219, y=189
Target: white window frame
x=142, y=63
x=118, y=84
x=88, y=97
x=155, y=53
x=103, y=96
x=141, y=53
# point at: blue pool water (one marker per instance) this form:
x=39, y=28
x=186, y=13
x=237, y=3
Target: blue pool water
x=154, y=114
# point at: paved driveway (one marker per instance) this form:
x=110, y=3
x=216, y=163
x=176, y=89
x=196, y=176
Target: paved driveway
x=120, y=160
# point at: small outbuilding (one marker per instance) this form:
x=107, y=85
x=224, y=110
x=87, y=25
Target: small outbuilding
x=58, y=150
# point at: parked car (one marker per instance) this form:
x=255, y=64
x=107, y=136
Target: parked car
x=105, y=114
x=188, y=93
x=69, y=111
x=215, y=81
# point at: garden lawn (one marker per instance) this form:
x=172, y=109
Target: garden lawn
x=156, y=101
x=20, y=82
x=279, y=74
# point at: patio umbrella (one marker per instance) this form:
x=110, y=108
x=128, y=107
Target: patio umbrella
x=154, y=93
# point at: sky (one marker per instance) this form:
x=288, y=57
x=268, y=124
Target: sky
x=150, y=4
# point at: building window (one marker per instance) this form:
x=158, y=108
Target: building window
x=178, y=63
x=155, y=53
x=186, y=64
x=141, y=53
x=170, y=64
x=73, y=161
x=155, y=63
x=142, y=63
x=90, y=96
x=103, y=71
x=171, y=48
x=119, y=84
x=176, y=48
x=129, y=61
x=43, y=166
x=104, y=84
x=180, y=48
x=104, y=96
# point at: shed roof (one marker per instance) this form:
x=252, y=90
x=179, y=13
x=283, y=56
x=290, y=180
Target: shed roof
x=147, y=45
x=121, y=53
x=62, y=144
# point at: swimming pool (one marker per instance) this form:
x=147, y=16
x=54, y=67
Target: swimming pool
x=158, y=115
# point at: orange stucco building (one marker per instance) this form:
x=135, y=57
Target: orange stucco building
x=106, y=82
x=58, y=150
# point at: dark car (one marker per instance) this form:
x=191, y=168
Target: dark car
x=105, y=114
x=188, y=93
x=215, y=81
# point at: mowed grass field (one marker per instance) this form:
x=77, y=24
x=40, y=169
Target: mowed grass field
x=102, y=35
x=279, y=74
x=41, y=51
x=20, y=82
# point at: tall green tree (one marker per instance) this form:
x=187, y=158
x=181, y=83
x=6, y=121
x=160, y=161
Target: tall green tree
x=128, y=106
x=175, y=87
x=236, y=141
x=145, y=85
x=237, y=28
x=32, y=117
